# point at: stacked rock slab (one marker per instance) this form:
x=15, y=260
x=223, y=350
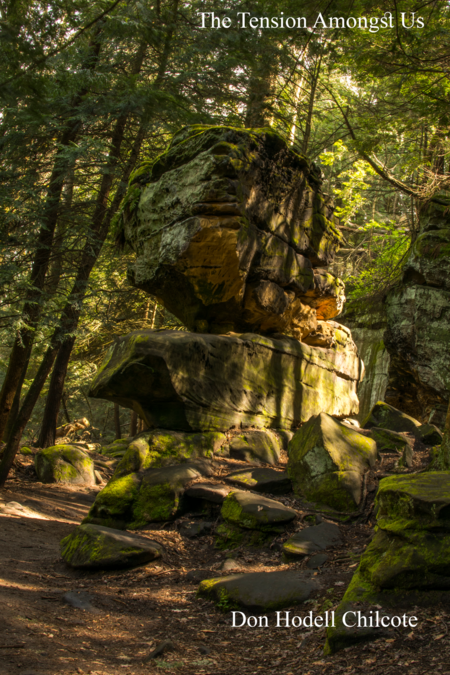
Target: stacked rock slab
x=408, y=560
x=231, y=232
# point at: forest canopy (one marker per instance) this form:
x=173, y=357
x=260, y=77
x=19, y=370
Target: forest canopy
x=91, y=90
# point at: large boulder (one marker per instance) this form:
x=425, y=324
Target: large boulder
x=188, y=382
x=64, y=464
x=418, y=321
x=231, y=232
x=327, y=460
x=153, y=495
x=93, y=547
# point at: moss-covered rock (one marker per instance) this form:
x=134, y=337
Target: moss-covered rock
x=429, y=434
x=258, y=591
x=261, y=480
x=408, y=560
x=327, y=460
x=64, y=464
x=229, y=537
x=386, y=416
x=152, y=495
x=218, y=189
x=256, y=446
x=96, y=547
x=162, y=448
x=255, y=512
x=190, y=382
x=389, y=441
x=312, y=539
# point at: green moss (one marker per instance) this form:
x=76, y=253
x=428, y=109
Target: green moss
x=155, y=503
x=115, y=501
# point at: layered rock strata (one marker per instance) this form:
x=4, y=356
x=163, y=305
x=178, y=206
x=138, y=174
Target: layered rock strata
x=418, y=318
x=188, y=382
x=232, y=233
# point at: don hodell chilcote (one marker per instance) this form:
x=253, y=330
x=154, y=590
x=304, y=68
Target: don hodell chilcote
x=350, y=619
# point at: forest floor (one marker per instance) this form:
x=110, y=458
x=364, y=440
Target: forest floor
x=132, y=611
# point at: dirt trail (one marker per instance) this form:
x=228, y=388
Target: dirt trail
x=134, y=610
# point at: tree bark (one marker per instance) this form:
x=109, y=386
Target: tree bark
x=31, y=312
x=117, y=428
x=133, y=423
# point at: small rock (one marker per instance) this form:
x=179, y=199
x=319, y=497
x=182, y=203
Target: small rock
x=387, y=417
x=229, y=565
x=98, y=477
x=64, y=464
x=261, y=480
x=195, y=529
x=98, y=547
x=312, y=539
x=429, y=434
x=389, y=441
x=259, y=591
x=317, y=561
x=255, y=512
x=161, y=647
x=80, y=600
x=209, y=492
x=203, y=649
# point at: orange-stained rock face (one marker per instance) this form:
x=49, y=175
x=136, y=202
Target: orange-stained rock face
x=231, y=233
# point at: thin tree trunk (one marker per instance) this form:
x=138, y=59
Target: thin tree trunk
x=101, y=222
x=133, y=423
x=64, y=405
x=31, y=312
x=117, y=429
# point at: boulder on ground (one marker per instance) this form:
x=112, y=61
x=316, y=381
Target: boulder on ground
x=256, y=446
x=327, y=460
x=224, y=243
x=254, y=512
x=387, y=417
x=64, y=464
x=153, y=495
x=208, y=492
x=190, y=382
x=429, y=434
x=261, y=480
x=163, y=448
x=312, y=539
x=95, y=547
x=389, y=441
x=258, y=591
x=116, y=449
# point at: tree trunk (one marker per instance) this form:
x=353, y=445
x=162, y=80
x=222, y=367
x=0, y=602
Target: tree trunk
x=117, y=429
x=31, y=312
x=133, y=423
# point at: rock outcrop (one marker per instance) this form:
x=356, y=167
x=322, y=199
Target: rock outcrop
x=189, y=382
x=327, y=460
x=232, y=233
x=368, y=323
x=408, y=558
x=418, y=317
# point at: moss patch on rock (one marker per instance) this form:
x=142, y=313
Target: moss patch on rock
x=64, y=464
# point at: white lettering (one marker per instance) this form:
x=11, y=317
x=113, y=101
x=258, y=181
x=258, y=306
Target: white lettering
x=413, y=618
x=344, y=621
x=337, y=22
x=321, y=19
x=244, y=619
x=403, y=14
x=243, y=14
x=351, y=18
x=203, y=15
x=301, y=22
x=286, y=619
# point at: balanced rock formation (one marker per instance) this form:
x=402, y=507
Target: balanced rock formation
x=232, y=233
x=190, y=382
x=418, y=318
